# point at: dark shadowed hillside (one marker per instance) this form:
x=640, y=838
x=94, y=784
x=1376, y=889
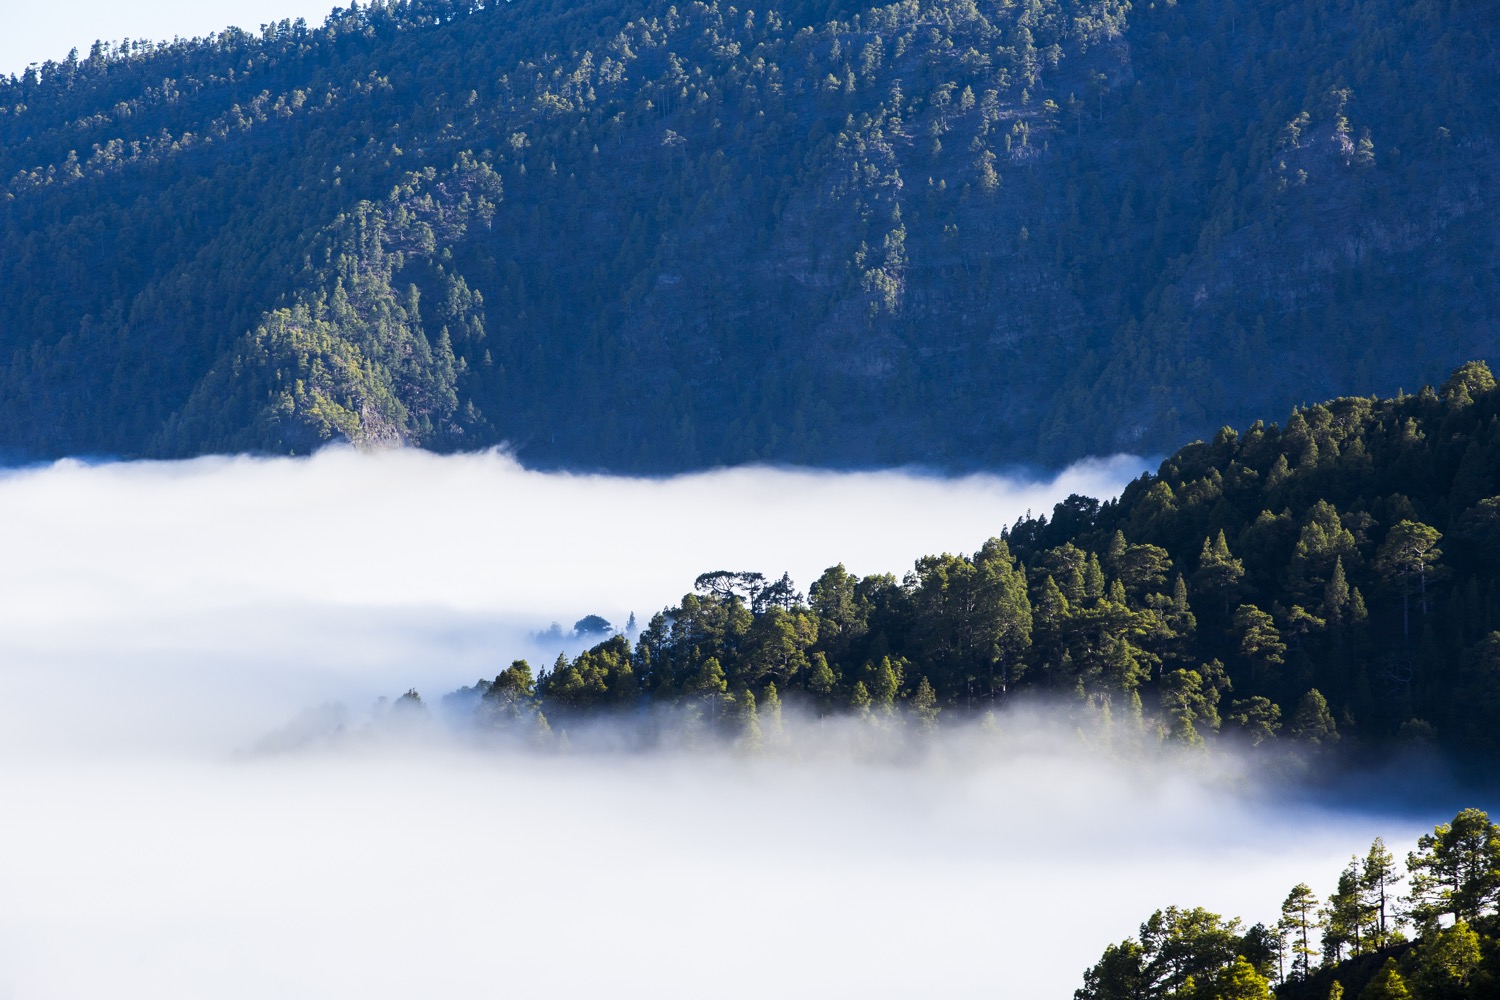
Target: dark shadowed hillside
x=648, y=237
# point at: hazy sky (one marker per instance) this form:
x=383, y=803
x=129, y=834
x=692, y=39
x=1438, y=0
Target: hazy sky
x=35, y=32
x=156, y=619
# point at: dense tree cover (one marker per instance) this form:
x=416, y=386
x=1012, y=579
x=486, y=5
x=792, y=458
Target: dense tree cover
x=1354, y=944
x=649, y=235
x=1332, y=582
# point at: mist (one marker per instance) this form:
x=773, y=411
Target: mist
x=160, y=622
x=250, y=588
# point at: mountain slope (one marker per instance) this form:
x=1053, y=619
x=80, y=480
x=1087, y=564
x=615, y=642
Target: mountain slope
x=1331, y=583
x=650, y=237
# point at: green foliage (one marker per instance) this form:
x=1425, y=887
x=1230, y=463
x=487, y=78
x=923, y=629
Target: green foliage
x=1190, y=700
x=599, y=677
x=1258, y=718
x=1456, y=869
x=1348, y=918
x=1297, y=925
x=1378, y=879
x=1219, y=573
x=1313, y=722
x=509, y=703
x=751, y=738
x=1076, y=606
x=1190, y=953
x=1259, y=641
x=658, y=236
x=1448, y=965
x=924, y=706
x=770, y=711
x=1387, y=984
x=1242, y=982
x=1180, y=955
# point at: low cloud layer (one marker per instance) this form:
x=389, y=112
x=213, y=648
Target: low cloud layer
x=399, y=872
x=474, y=533
x=288, y=582
x=158, y=620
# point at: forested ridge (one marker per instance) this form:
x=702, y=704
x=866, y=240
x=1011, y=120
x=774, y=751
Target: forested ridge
x=647, y=236
x=1324, y=586
x=1428, y=929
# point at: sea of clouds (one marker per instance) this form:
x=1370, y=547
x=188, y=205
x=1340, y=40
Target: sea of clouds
x=158, y=620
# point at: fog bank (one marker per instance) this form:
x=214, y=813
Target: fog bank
x=399, y=873
x=158, y=620
x=285, y=583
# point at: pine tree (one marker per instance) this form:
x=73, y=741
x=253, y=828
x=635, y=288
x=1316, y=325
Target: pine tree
x=1456, y=869
x=1387, y=984
x=1410, y=553
x=885, y=682
x=1345, y=917
x=822, y=682
x=924, y=706
x=1377, y=879
x=1182, y=699
x=859, y=699
x=1181, y=621
x=1259, y=641
x=1336, y=595
x=770, y=713
x=1093, y=578
x=1446, y=964
x=1242, y=982
x=1313, y=722
x=750, y=734
x=1298, y=917
x=1258, y=718
x=712, y=687
x=1002, y=620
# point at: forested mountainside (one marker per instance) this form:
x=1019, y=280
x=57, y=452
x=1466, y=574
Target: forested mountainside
x=1428, y=929
x=649, y=236
x=1332, y=581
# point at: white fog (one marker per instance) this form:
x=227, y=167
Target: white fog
x=157, y=620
